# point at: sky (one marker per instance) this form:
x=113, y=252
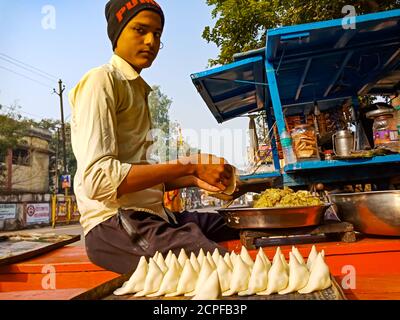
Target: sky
x=68, y=38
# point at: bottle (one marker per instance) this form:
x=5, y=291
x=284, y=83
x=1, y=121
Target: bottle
x=287, y=148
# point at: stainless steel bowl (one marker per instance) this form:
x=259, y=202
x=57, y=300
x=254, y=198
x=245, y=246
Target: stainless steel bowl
x=273, y=218
x=375, y=213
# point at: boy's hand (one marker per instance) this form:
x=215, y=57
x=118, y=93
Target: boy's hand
x=212, y=170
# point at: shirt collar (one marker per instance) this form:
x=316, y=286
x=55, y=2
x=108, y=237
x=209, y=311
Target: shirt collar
x=127, y=70
x=123, y=66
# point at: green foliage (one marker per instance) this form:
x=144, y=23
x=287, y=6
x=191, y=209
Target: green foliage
x=168, y=144
x=12, y=128
x=241, y=24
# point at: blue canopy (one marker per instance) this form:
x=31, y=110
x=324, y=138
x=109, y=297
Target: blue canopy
x=326, y=61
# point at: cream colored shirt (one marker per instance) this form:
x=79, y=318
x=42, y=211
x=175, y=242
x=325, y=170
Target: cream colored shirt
x=109, y=128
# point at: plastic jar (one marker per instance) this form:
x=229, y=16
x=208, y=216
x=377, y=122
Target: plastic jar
x=384, y=128
x=305, y=142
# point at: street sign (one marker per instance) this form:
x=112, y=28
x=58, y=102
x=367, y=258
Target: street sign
x=66, y=181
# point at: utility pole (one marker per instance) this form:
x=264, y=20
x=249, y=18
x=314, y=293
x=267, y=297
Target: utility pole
x=61, y=89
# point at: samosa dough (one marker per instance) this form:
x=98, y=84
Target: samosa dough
x=200, y=257
x=258, y=279
x=210, y=290
x=153, y=280
x=136, y=281
x=170, y=281
x=182, y=258
x=244, y=254
x=224, y=274
x=240, y=278
x=161, y=263
x=205, y=272
x=298, y=275
x=278, y=278
x=195, y=263
x=298, y=255
x=320, y=277
x=311, y=257
x=187, y=281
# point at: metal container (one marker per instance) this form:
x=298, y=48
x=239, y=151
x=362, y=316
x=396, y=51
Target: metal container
x=274, y=218
x=344, y=143
x=376, y=213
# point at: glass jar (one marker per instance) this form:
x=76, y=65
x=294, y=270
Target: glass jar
x=385, y=131
x=305, y=142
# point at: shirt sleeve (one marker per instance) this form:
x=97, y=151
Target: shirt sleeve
x=94, y=136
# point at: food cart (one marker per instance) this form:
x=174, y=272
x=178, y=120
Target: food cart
x=325, y=65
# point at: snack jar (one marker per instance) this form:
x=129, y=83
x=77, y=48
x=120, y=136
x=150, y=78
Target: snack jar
x=305, y=142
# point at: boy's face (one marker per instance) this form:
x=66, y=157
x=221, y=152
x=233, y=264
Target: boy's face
x=140, y=40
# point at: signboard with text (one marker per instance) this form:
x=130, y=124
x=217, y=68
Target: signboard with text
x=8, y=211
x=38, y=213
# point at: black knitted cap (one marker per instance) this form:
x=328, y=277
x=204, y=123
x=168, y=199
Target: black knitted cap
x=120, y=12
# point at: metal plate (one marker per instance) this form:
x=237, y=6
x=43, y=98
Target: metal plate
x=273, y=218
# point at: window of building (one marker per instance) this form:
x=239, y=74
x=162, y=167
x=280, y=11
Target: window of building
x=21, y=157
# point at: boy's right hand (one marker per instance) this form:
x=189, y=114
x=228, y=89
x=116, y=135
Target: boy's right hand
x=211, y=169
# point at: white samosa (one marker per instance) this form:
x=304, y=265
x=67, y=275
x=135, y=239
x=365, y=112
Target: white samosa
x=216, y=256
x=182, y=258
x=195, y=263
x=161, y=263
x=240, y=278
x=201, y=256
x=224, y=274
x=258, y=279
x=263, y=256
x=168, y=257
x=320, y=277
x=298, y=255
x=233, y=257
x=278, y=277
x=136, y=281
x=244, y=254
x=205, y=272
x=227, y=259
x=187, y=281
x=311, y=257
x=211, y=289
x=153, y=280
x=211, y=261
x=170, y=281
x=298, y=275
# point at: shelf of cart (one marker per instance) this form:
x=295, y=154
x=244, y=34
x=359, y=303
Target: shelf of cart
x=261, y=176
x=316, y=165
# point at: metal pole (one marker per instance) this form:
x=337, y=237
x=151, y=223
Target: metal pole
x=61, y=89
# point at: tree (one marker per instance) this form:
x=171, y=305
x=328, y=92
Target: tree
x=242, y=24
x=12, y=131
x=168, y=139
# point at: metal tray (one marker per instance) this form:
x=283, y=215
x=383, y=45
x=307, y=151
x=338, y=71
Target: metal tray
x=273, y=218
x=105, y=292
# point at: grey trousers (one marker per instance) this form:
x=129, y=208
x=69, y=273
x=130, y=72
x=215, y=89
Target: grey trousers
x=118, y=243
